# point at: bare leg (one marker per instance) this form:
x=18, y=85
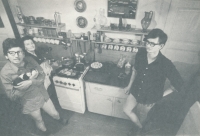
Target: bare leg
x=36, y=115
x=50, y=109
x=128, y=107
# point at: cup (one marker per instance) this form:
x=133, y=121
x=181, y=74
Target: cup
x=128, y=26
x=112, y=26
x=35, y=39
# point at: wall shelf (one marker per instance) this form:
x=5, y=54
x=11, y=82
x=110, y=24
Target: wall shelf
x=125, y=31
x=43, y=31
x=40, y=26
x=131, y=45
x=46, y=37
x=131, y=31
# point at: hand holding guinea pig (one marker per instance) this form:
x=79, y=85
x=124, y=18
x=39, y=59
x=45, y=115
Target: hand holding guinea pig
x=34, y=74
x=26, y=76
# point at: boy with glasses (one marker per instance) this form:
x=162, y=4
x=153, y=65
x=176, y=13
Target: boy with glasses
x=32, y=93
x=149, y=74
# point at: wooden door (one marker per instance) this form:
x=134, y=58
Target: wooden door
x=182, y=26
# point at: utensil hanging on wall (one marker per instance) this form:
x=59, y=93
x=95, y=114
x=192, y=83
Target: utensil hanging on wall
x=57, y=18
x=90, y=55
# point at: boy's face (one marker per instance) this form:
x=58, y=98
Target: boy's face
x=153, y=45
x=15, y=55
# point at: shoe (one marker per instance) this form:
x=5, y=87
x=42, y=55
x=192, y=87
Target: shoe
x=63, y=121
x=139, y=132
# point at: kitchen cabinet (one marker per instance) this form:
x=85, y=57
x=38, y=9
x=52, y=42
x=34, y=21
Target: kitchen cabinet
x=99, y=103
x=41, y=31
x=104, y=99
x=118, y=108
x=136, y=32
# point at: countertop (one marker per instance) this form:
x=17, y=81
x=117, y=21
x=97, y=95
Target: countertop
x=108, y=75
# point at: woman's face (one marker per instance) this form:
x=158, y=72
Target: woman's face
x=29, y=45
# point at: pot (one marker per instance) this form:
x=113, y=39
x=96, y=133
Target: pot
x=67, y=63
x=39, y=20
x=79, y=67
x=31, y=20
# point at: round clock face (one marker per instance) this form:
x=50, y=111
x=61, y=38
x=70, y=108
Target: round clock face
x=80, y=5
x=81, y=22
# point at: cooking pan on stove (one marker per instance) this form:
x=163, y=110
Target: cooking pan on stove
x=68, y=63
x=60, y=74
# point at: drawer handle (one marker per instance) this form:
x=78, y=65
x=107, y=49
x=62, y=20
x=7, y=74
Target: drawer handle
x=109, y=99
x=98, y=89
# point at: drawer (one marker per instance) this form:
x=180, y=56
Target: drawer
x=105, y=90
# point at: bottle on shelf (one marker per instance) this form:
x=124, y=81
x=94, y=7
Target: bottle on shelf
x=121, y=61
x=102, y=37
x=120, y=23
x=20, y=15
x=127, y=68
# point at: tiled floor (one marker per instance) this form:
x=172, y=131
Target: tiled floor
x=14, y=123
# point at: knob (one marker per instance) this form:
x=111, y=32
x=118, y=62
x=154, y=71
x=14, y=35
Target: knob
x=73, y=84
x=56, y=81
x=61, y=82
x=69, y=84
x=65, y=83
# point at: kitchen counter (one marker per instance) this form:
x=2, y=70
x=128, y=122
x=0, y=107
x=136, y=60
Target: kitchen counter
x=108, y=75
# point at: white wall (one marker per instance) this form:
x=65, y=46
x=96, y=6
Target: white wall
x=46, y=8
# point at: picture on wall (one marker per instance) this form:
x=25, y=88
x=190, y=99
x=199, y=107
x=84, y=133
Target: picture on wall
x=1, y=23
x=122, y=8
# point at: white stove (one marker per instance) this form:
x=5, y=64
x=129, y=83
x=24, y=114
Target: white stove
x=70, y=92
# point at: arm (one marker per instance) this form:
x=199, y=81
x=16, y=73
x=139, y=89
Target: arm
x=174, y=77
x=133, y=75
x=40, y=78
x=11, y=92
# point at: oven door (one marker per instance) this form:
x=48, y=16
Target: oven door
x=70, y=99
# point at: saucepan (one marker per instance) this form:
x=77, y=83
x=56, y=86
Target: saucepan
x=67, y=63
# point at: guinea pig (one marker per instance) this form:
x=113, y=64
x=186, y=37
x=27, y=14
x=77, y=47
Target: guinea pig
x=23, y=77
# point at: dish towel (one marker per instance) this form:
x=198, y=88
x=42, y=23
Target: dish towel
x=47, y=70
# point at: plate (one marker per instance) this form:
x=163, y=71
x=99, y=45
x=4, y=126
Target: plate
x=81, y=22
x=96, y=65
x=80, y=5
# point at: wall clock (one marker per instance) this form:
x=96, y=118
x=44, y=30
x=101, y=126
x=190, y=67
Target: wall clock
x=81, y=22
x=80, y=5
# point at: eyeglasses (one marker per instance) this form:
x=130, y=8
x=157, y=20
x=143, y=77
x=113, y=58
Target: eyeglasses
x=151, y=44
x=12, y=53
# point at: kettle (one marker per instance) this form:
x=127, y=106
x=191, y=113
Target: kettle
x=57, y=18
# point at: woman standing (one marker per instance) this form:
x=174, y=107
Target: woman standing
x=30, y=50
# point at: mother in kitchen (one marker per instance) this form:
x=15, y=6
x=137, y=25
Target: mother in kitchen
x=149, y=74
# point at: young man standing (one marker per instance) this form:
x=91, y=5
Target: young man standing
x=32, y=92
x=149, y=74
